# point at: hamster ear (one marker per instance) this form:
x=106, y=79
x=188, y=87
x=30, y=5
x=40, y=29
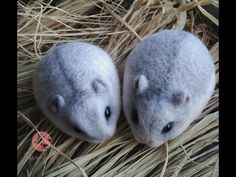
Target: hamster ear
x=180, y=98
x=57, y=103
x=140, y=84
x=98, y=86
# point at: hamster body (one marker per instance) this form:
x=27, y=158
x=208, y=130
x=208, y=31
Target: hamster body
x=169, y=78
x=77, y=87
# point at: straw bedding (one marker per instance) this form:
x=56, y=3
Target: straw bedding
x=116, y=26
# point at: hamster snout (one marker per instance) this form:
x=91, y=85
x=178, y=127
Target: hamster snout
x=143, y=140
x=169, y=78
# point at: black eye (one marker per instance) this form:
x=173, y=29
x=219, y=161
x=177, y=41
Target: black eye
x=135, y=116
x=107, y=112
x=167, y=128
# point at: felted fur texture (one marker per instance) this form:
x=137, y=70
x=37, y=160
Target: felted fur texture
x=74, y=84
x=168, y=80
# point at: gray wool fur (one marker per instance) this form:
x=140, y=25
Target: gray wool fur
x=169, y=78
x=73, y=85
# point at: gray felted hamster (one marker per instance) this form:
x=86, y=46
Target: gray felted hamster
x=77, y=87
x=169, y=78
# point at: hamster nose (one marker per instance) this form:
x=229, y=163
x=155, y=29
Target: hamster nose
x=104, y=136
x=100, y=139
x=145, y=141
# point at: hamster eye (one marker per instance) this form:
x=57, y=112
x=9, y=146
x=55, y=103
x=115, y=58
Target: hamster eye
x=135, y=116
x=107, y=112
x=167, y=128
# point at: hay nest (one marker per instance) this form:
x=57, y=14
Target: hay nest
x=116, y=26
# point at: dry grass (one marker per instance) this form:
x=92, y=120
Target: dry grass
x=116, y=26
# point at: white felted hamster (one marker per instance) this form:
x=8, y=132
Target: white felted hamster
x=77, y=87
x=169, y=78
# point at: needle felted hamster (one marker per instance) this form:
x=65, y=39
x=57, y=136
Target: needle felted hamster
x=168, y=80
x=77, y=86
